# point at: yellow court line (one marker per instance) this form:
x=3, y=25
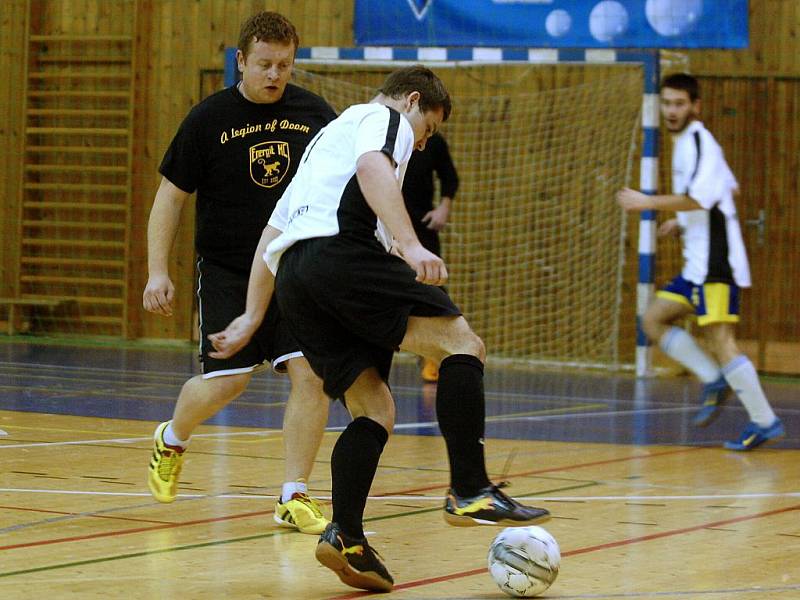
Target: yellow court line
x=549, y=411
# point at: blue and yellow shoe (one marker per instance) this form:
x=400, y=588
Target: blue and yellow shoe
x=301, y=512
x=165, y=467
x=753, y=436
x=355, y=562
x=490, y=507
x=711, y=398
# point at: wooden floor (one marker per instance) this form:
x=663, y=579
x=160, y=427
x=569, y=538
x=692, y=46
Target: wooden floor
x=633, y=520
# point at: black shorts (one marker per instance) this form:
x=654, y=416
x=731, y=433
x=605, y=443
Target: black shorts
x=222, y=294
x=347, y=304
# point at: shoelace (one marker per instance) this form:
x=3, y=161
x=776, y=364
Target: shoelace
x=169, y=465
x=310, y=503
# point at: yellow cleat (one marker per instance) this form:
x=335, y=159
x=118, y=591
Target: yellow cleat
x=165, y=467
x=303, y=513
x=430, y=371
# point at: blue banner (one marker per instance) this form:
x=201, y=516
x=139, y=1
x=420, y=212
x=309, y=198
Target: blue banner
x=553, y=23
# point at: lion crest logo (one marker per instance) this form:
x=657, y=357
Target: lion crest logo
x=269, y=163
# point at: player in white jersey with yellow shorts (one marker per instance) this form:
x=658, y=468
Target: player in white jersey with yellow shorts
x=715, y=267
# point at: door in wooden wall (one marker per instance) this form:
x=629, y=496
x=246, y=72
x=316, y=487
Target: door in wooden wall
x=754, y=119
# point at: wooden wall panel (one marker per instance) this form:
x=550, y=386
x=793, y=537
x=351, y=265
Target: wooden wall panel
x=176, y=40
x=12, y=56
x=774, y=44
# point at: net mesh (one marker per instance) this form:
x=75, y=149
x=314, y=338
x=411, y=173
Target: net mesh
x=534, y=245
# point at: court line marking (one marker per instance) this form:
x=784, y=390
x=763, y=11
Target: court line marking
x=398, y=426
x=585, y=550
x=415, y=498
x=258, y=513
x=71, y=515
x=133, y=440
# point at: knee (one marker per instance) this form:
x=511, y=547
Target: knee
x=652, y=327
x=378, y=409
x=462, y=340
x=477, y=347
x=304, y=380
x=219, y=390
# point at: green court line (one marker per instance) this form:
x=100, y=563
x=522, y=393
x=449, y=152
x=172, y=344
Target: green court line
x=246, y=538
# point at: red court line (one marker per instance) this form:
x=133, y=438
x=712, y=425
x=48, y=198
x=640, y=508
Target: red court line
x=268, y=512
x=95, y=516
x=554, y=469
x=103, y=534
x=616, y=544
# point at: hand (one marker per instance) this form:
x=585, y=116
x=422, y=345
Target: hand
x=429, y=267
x=233, y=338
x=436, y=219
x=669, y=227
x=158, y=295
x=631, y=200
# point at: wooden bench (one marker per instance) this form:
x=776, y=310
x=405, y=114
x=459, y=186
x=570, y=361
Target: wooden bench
x=13, y=303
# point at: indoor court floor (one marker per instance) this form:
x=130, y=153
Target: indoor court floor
x=644, y=505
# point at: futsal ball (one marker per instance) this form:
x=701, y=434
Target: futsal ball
x=523, y=561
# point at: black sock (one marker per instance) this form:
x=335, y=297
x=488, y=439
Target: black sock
x=353, y=464
x=460, y=408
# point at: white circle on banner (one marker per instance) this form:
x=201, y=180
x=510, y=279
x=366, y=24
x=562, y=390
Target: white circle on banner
x=558, y=23
x=608, y=20
x=673, y=17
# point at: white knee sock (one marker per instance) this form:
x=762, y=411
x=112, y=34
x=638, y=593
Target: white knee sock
x=742, y=377
x=679, y=345
x=293, y=487
x=170, y=439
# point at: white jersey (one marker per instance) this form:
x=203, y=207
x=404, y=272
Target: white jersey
x=324, y=198
x=713, y=249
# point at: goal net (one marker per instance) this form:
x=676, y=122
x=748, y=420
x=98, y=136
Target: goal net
x=534, y=245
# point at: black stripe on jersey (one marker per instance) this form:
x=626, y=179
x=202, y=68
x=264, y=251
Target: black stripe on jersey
x=697, y=161
x=391, y=134
x=719, y=269
x=313, y=143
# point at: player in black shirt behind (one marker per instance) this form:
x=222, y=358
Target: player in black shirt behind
x=418, y=192
x=239, y=149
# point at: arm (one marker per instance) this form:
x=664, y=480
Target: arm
x=631, y=200
x=382, y=192
x=436, y=219
x=260, y=287
x=161, y=231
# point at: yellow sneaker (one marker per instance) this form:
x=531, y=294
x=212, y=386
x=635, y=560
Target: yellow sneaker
x=303, y=513
x=165, y=467
x=430, y=371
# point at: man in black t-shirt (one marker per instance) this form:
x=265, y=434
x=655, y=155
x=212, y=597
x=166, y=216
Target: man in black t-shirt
x=239, y=149
x=418, y=194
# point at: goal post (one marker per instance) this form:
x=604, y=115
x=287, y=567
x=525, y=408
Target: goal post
x=542, y=139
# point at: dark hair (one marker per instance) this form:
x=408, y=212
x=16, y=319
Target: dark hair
x=267, y=26
x=682, y=81
x=420, y=79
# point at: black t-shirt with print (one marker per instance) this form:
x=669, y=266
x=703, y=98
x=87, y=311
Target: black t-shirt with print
x=239, y=156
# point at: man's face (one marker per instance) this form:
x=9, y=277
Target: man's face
x=266, y=70
x=424, y=124
x=677, y=109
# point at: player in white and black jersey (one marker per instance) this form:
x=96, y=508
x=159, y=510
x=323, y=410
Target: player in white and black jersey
x=238, y=149
x=351, y=304
x=715, y=267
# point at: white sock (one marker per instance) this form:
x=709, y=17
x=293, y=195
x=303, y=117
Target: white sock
x=293, y=487
x=170, y=439
x=742, y=377
x=679, y=345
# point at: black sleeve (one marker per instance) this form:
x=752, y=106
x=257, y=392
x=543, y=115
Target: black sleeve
x=444, y=167
x=182, y=162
